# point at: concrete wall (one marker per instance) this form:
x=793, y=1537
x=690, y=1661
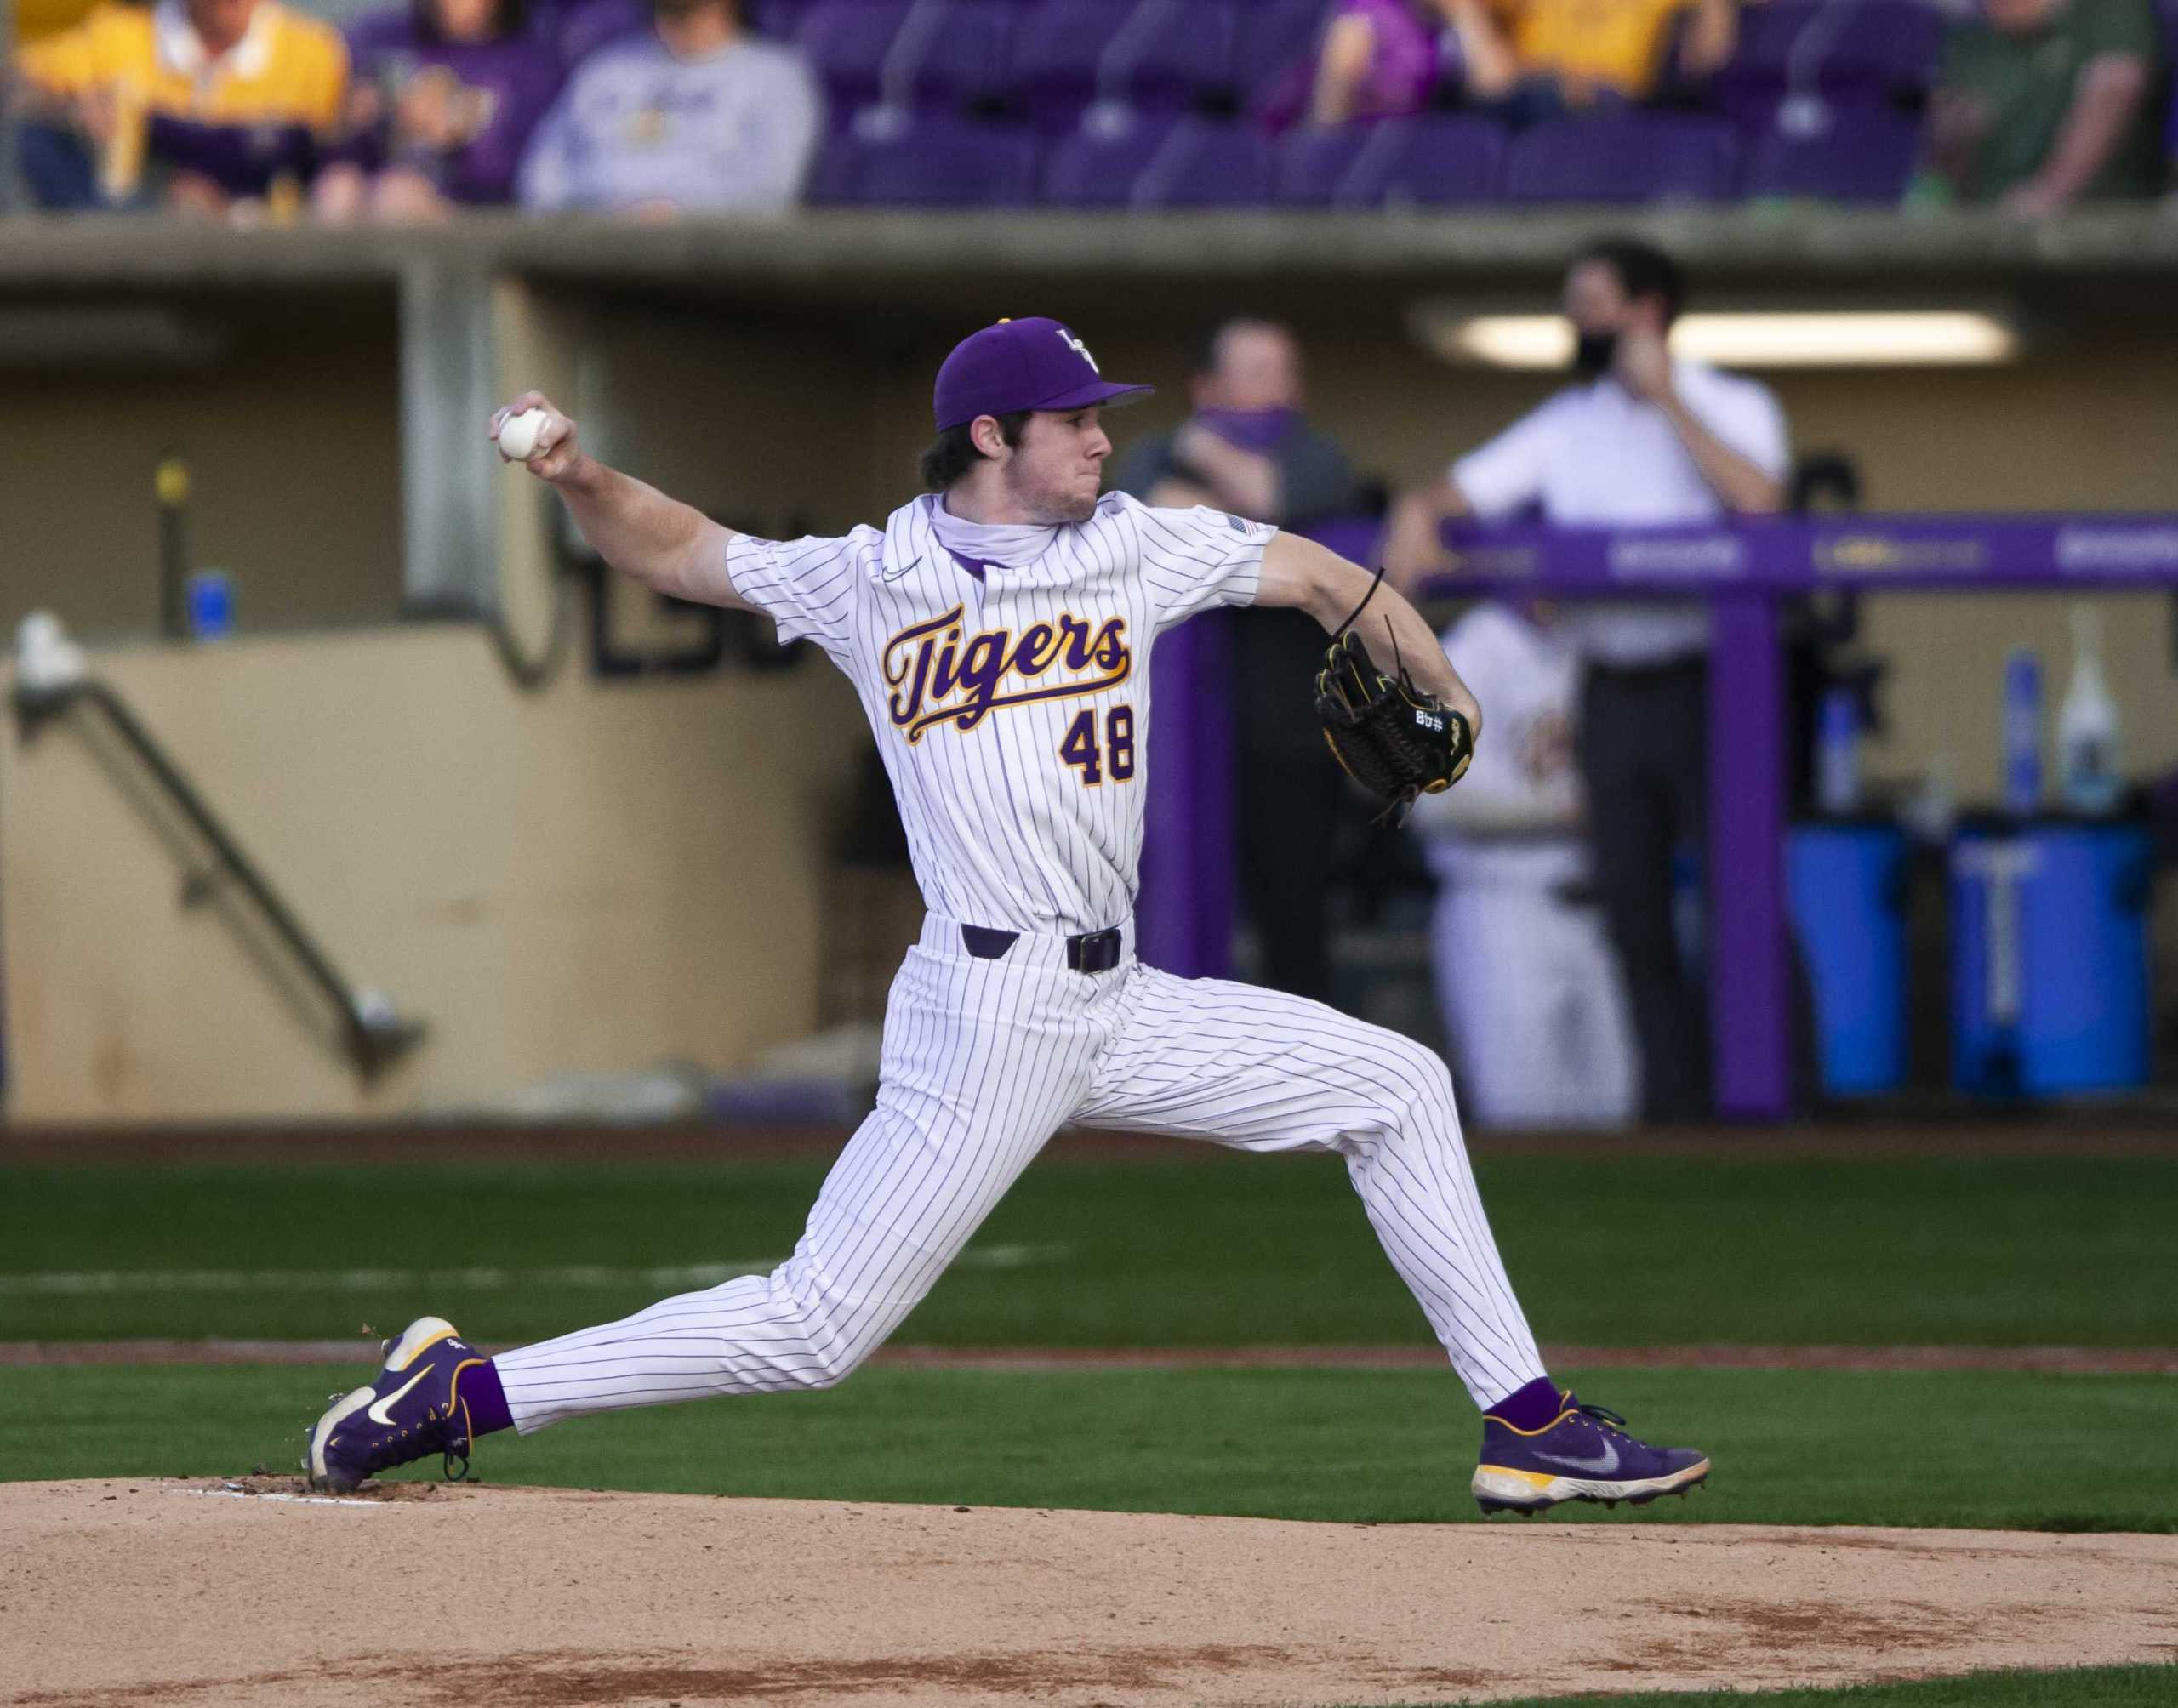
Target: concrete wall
x=596, y=878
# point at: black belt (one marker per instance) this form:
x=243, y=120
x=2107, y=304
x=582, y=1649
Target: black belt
x=1086, y=951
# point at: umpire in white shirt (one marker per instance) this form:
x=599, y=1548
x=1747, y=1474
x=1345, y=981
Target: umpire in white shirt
x=1642, y=438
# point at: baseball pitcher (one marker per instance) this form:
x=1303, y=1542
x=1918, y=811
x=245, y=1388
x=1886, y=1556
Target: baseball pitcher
x=997, y=629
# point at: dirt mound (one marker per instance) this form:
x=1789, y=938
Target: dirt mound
x=256, y=1592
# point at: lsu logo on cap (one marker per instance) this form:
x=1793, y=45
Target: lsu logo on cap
x=1081, y=350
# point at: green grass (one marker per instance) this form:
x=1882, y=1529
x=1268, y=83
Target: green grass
x=1993, y=1451
x=2082, y=1687
x=1606, y=1250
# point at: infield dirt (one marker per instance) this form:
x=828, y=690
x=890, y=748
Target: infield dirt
x=250, y=1594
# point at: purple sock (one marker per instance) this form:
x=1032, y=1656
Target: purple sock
x=479, y=1389
x=1532, y=1407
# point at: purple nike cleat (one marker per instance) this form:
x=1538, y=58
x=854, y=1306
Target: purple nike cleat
x=413, y=1408
x=1583, y=1454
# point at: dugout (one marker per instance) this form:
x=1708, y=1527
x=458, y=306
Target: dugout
x=329, y=388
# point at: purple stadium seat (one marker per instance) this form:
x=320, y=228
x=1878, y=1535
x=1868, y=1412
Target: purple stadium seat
x=1857, y=49
x=1865, y=155
x=1057, y=45
x=950, y=52
x=576, y=32
x=892, y=158
x=1894, y=44
x=1310, y=163
x=1628, y=158
x=1276, y=36
x=1171, y=53
x=1203, y=163
x=778, y=19
x=847, y=42
x=1432, y=160
x=1096, y=165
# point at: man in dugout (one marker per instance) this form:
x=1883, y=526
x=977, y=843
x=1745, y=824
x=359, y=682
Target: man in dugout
x=1640, y=438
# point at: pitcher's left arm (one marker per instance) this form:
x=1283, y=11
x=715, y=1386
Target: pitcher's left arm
x=1299, y=573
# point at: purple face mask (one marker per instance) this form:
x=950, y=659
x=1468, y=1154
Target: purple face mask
x=1251, y=430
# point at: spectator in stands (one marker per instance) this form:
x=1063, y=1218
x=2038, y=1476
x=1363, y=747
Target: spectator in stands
x=1248, y=449
x=2043, y=103
x=443, y=98
x=1383, y=58
x=692, y=116
x=1543, y=59
x=206, y=105
x=1642, y=438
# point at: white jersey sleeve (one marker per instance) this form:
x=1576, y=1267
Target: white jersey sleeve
x=1746, y=415
x=1194, y=559
x=1500, y=477
x=807, y=586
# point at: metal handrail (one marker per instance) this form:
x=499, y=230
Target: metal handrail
x=373, y=1038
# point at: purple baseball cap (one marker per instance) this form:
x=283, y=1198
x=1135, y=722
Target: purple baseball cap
x=1021, y=364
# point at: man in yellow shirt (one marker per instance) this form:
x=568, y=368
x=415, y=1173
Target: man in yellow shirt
x=223, y=98
x=1548, y=55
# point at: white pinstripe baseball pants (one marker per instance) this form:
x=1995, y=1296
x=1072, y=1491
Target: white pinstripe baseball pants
x=983, y=1061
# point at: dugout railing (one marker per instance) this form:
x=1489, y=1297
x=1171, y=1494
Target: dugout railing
x=366, y=1029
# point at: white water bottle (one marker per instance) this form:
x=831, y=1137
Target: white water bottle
x=2090, y=770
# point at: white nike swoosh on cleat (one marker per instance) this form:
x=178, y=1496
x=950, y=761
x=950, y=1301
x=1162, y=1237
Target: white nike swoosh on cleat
x=377, y=1413
x=1602, y=1465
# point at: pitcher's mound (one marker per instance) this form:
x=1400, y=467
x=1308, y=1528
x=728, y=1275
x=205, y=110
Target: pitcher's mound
x=252, y=1594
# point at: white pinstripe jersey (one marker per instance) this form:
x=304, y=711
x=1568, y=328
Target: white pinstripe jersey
x=1005, y=671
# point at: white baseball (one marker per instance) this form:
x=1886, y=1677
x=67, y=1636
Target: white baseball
x=518, y=434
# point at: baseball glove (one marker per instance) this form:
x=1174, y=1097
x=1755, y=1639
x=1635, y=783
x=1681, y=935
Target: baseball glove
x=1392, y=738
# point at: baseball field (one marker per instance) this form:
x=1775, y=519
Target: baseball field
x=1171, y=1433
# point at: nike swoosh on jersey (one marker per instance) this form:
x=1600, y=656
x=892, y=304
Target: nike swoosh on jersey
x=1603, y=1464
x=377, y=1412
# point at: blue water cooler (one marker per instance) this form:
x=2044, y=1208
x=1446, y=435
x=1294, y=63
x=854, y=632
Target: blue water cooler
x=2048, y=934
x=1846, y=879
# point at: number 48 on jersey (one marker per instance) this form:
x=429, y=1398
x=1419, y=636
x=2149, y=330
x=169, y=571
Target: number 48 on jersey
x=1081, y=750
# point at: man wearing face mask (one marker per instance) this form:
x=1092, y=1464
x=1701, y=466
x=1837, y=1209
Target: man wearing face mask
x=1643, y=438
x=1247, y=449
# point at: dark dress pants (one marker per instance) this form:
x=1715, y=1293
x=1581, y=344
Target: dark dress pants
x=1645, y=756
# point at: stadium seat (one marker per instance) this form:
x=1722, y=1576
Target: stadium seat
x=1432, y=160
x=1867, y=155
x=1095, y=165
x=1862, y=51
x=847, y=42
x=1276, y=38
x=777, y=19
x=1629, y=157
x=1171, y=53
x=890, y=157
x=1057, y=46
x=1310, y=164
x=950, y=52
x=574, y=32
x=1205, y=163
x=1889, y=45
